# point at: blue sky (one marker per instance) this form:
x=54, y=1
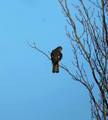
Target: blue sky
x=28, y=89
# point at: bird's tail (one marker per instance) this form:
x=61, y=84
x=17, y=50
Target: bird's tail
x=55, y=68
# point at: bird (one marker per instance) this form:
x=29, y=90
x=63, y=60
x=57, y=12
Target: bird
x=56, y=56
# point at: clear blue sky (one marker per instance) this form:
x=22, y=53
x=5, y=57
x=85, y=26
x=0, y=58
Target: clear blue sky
x=28, y=89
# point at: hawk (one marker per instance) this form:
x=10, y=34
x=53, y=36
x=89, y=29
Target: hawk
x=56, y=56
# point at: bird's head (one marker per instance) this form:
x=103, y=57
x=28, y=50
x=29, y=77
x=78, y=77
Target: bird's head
x=59, y=48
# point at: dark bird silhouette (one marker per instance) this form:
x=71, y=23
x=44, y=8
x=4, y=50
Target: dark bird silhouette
x=56, y=56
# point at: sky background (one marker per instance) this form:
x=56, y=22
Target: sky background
x=28, y=88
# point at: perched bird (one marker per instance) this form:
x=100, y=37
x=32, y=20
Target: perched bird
x=56, y=56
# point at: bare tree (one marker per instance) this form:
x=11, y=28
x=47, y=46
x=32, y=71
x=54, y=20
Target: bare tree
x=87, y=31
x=92, y=47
